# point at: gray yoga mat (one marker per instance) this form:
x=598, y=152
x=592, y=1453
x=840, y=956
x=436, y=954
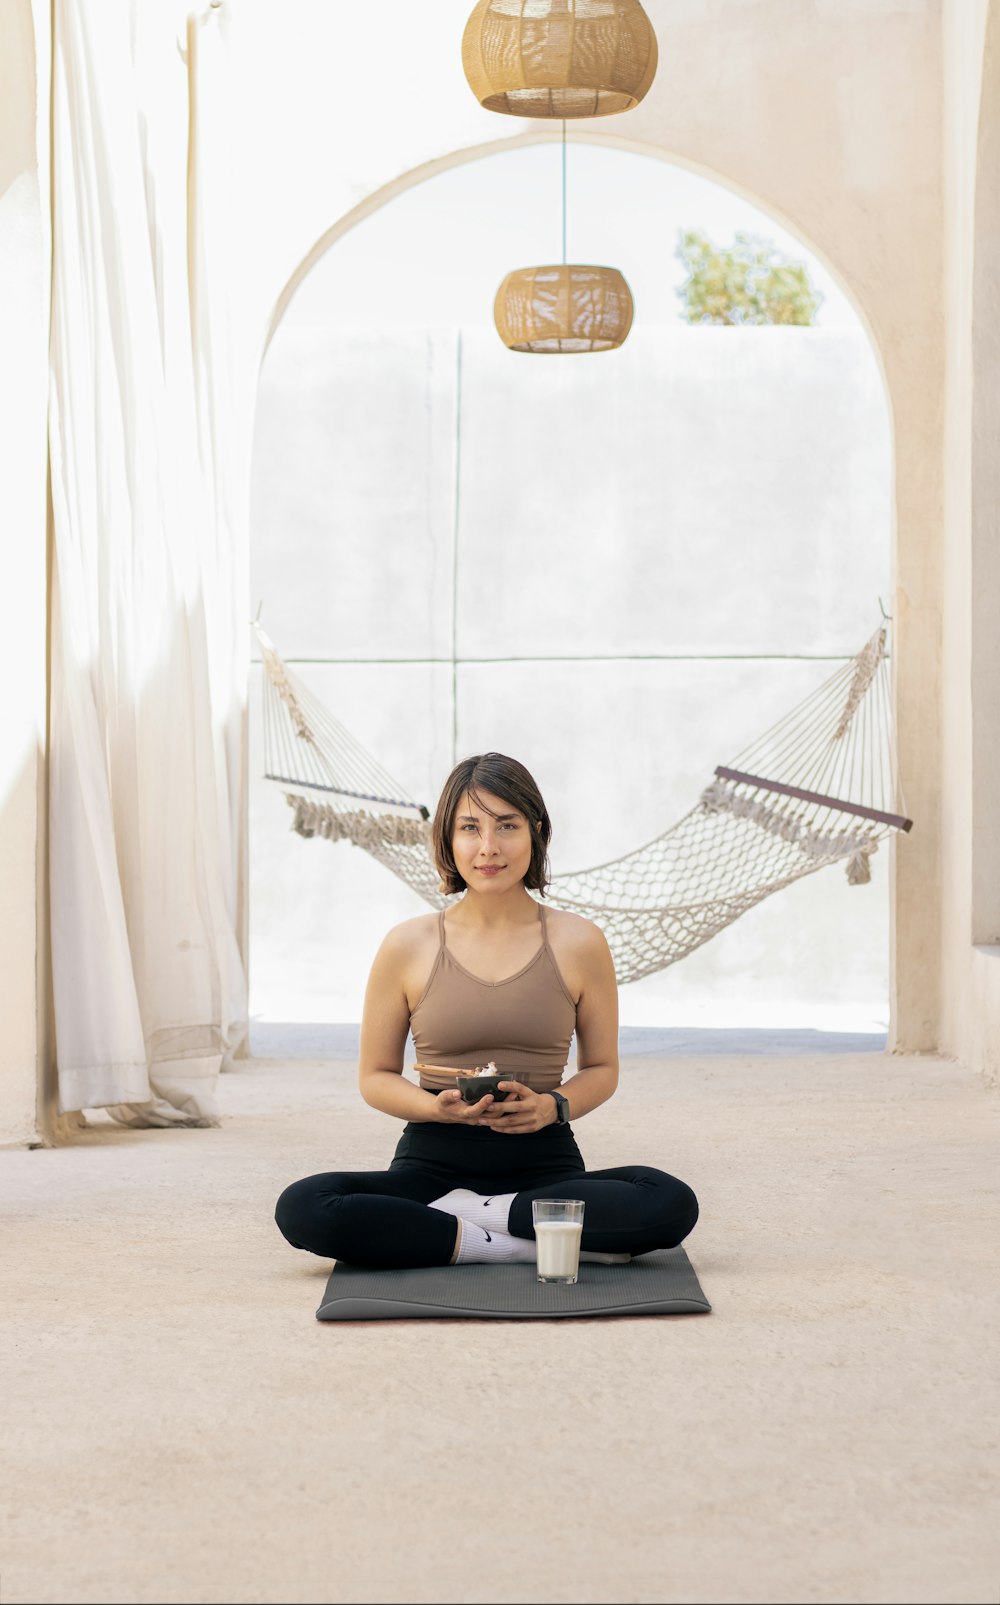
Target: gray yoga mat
x=663, y=1283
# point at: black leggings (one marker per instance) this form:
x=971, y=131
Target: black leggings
x=380, y=1217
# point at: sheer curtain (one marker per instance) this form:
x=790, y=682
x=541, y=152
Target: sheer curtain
x=149, y=463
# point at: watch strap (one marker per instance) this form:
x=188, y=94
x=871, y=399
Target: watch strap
x=562, y=1108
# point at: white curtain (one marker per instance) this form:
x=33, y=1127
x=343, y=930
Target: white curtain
x=149, y=629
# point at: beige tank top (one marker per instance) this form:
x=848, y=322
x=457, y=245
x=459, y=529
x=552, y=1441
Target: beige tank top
x=524, y=1023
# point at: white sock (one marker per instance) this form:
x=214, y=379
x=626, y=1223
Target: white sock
x=458, y=1202
x=491, y=1211
x=478, y=1246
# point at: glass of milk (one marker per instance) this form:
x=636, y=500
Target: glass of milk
x=558, y=1226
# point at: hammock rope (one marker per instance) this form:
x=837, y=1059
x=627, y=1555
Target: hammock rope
x=821, y=786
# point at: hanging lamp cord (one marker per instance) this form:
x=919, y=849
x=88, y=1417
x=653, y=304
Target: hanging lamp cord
x=564, y=191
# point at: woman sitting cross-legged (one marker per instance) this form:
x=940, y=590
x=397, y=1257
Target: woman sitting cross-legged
x=496, y=977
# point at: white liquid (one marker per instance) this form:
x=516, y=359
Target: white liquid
x=558, y=1247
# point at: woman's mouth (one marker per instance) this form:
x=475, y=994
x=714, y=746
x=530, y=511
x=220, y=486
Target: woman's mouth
x=490, y=869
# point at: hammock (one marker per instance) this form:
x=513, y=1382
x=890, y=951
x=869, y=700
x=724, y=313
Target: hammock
x=820, y=787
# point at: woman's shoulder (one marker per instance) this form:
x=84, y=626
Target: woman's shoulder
x=410, y=936
x=407, y=955
x=574, y=932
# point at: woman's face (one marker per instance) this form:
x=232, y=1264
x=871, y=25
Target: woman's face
x=491, y=842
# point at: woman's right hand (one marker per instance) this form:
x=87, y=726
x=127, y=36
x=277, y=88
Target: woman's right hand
x=453, y=1110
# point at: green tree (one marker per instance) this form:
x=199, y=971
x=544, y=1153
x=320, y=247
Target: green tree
x=747, y=282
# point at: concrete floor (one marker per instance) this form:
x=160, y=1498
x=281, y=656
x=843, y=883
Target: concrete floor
x=179, y=1428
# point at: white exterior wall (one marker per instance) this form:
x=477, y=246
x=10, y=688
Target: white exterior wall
x=24, y=52
x=641, y=560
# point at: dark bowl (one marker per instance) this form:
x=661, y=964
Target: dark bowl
x=473, y=1088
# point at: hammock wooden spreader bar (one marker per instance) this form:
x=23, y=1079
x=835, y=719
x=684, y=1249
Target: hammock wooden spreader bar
x=340, y=791
x=759, y=784
x=820, y=787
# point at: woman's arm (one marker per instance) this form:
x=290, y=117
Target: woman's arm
x=384, y=1024
x=596, y=1076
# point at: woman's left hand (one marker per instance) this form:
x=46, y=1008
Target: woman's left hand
x=522, y=1112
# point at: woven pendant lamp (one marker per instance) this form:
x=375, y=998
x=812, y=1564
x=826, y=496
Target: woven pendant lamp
x=559, y=58
x=563, y=307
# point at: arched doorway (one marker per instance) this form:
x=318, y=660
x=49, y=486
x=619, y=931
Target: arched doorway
x=691, y=695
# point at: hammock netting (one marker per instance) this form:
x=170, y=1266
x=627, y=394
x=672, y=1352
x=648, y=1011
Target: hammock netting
x=820, y=787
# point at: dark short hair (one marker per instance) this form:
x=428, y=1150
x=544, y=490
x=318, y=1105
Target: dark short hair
x=505, y=778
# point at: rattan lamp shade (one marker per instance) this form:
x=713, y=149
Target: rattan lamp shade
x=563, y=308
x=559, y=58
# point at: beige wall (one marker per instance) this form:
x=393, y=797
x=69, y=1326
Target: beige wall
x=970, y=1024
x=23, y=393
x=828, y=115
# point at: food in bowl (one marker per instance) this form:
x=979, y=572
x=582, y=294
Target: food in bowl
x=483, y=1079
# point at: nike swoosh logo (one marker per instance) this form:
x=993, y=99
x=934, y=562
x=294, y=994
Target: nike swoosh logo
x=488, y=1237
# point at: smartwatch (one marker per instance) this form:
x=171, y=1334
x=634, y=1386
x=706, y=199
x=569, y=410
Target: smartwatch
x=562, y=1108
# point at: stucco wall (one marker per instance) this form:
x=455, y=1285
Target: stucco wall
x=23, y=399
x=970, y=779
x=626, y=568
x=828, y=115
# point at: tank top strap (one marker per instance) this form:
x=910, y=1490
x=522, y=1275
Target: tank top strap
x=441, y=958
x=553, y=961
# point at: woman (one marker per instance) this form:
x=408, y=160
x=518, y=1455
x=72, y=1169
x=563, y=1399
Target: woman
x=496, y=977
